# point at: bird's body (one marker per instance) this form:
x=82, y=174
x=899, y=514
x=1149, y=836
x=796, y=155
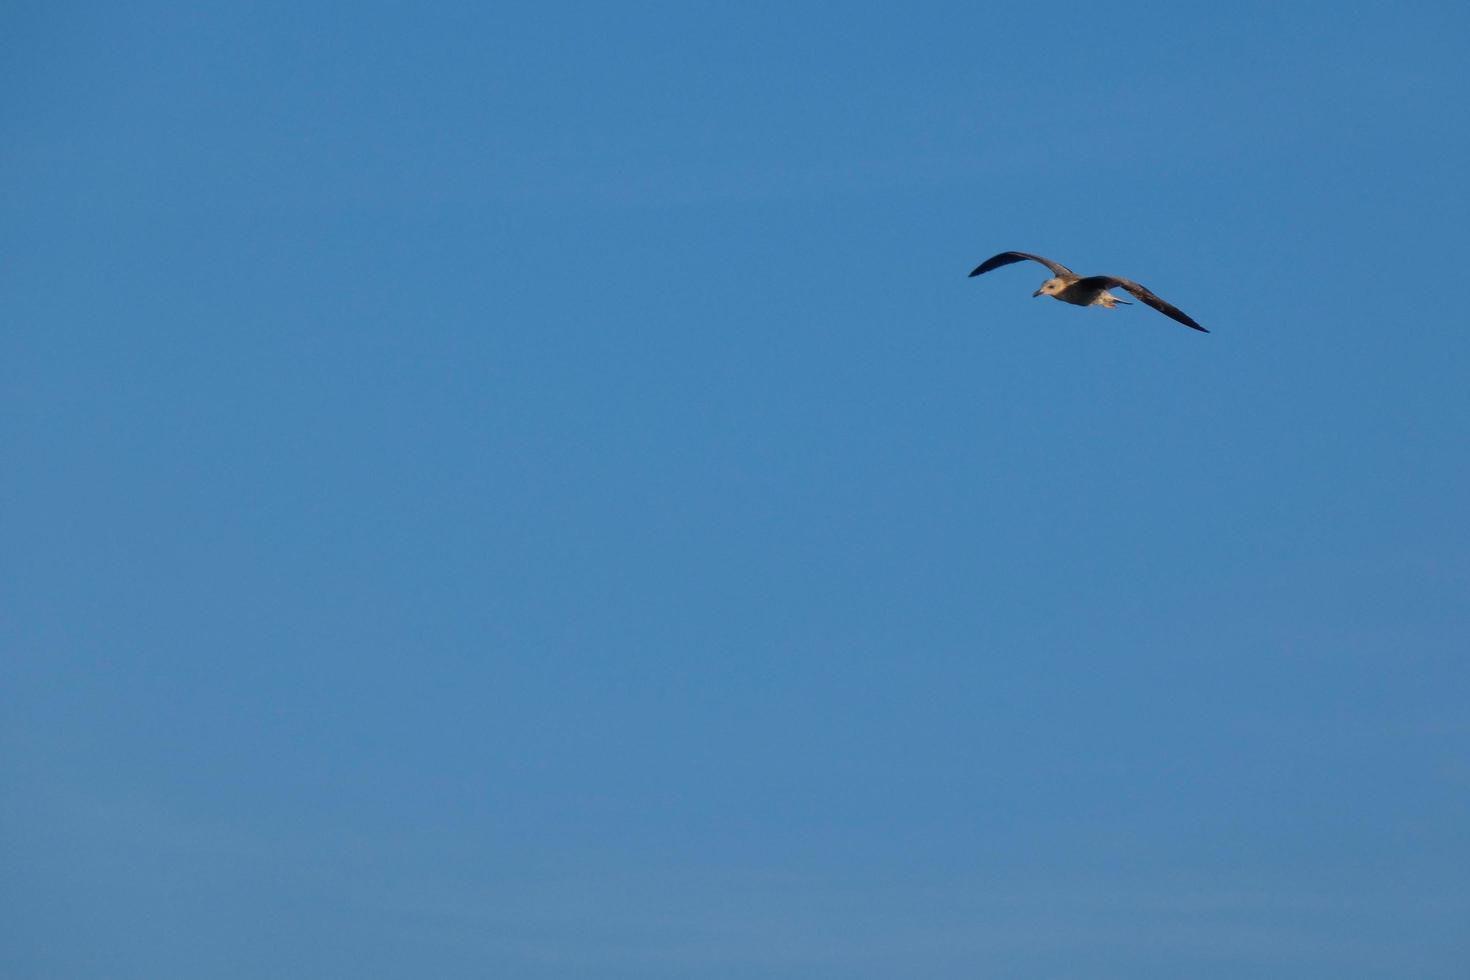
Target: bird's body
x=1069, y=287
x=1079, y=295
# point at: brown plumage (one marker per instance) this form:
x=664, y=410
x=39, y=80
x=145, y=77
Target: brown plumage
x=1069, y=287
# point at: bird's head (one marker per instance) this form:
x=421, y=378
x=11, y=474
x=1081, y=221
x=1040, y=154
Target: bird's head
x=1049, y=288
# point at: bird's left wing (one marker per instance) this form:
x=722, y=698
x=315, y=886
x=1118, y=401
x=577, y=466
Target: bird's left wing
x=1144, y=295
x=1006, y=258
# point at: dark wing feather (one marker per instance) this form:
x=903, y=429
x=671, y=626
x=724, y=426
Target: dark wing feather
x=1006, y=258
x=1144, y=295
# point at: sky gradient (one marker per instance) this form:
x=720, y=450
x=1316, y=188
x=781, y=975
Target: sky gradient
x=525, y=491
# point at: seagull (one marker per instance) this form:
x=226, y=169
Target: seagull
x=1069, y=287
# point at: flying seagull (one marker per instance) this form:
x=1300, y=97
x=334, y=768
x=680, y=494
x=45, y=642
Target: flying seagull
x=1069, y=287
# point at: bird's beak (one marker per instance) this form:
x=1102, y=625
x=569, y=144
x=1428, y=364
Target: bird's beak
x=1036, y=294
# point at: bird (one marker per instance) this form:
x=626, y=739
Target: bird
x=1069, y=287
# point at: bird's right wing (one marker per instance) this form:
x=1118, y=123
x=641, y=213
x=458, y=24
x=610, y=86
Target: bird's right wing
x=1144, y=293
x=1006, y=258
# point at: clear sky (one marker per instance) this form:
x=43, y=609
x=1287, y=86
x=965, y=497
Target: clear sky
x=529, y=491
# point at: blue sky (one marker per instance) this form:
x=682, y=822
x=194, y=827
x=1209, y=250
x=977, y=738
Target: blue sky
x=529, y=491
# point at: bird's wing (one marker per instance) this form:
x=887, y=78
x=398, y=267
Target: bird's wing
x=1006, y=258
x=1144, y=295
